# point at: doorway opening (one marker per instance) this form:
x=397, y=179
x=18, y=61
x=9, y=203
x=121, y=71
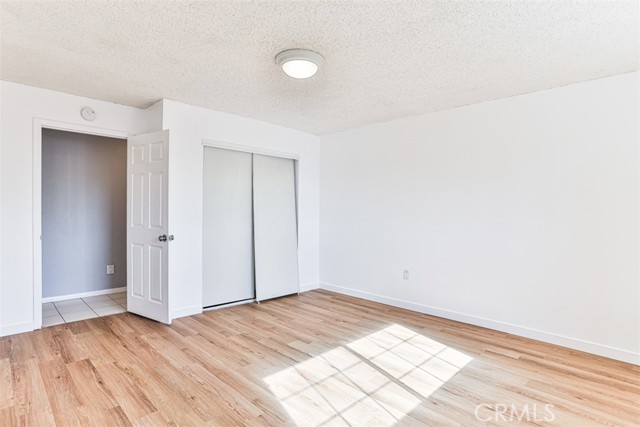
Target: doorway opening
x=83, y=211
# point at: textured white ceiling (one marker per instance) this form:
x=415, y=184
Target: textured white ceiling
x=384, y=59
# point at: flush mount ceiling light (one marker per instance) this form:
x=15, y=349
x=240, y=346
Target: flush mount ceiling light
x=299, y=63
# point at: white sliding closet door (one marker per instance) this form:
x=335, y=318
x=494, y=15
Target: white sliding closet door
x=275, y=228
x=228, y=227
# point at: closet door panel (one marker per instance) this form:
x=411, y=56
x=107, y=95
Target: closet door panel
x=275, y=228
x=228, y=227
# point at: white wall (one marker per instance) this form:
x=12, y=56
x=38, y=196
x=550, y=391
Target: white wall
x=519, y=214
x=188, y=127
x=20, y=105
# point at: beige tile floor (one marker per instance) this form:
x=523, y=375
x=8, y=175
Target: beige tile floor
x=55, y=313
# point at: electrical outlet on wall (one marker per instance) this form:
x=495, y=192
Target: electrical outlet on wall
x=111, y=269
x=405, y=274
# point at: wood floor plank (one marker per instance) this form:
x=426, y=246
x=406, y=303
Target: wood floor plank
x=63, y=394
x=8, y=417
x=171, y=403
x=6, y=387
x=93, y=392
x=152, y=420
x=318, y=358
x=132, y=401
x=31, y=403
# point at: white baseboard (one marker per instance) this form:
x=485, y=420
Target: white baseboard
x=85, y=294
x=549, y=337
x=309, y=287
x=185, y=311
x=16, y=328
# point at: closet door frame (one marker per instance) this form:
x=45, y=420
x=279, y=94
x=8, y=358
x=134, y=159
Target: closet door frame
x=249, y=149
x=266, y=152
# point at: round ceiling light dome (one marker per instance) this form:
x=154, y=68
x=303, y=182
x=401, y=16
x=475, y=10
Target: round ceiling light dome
x=299, y=63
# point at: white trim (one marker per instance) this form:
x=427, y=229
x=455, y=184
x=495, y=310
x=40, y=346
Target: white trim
x=309, y=287
x=231, y=304
x=38, y=125
x=17, y=328
x=549, y=337
x=186, y=311
x=77, y=128
x=249, y=149
x=84, y=294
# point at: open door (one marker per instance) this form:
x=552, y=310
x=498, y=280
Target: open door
x=148, y=232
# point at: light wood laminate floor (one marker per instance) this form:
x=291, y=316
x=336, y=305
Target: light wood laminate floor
x=319, y=358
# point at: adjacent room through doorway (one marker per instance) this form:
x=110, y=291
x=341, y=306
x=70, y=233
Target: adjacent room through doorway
x=84, y=202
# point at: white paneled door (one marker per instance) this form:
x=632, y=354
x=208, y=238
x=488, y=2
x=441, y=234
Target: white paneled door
x=148, y=237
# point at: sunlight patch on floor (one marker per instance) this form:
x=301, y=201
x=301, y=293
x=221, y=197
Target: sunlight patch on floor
x=377, y=379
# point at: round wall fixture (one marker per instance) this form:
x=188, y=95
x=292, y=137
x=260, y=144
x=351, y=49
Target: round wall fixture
x=299, y=63
x=88, y=114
